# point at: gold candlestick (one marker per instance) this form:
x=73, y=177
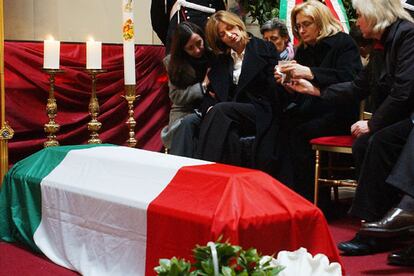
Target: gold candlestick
x=6, y=132
x=130, y=97
x=51, y=128
x=94, y=125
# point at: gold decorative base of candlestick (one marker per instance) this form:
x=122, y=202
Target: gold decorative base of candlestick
x=51, y=128
x=130, y=97
x=94, y=125
x=6, y=133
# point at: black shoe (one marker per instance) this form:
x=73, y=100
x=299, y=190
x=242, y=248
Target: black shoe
x=404, y=257
x=360, y=245
x=394, y=224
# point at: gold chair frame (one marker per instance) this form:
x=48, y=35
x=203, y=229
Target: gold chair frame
x=335, y=183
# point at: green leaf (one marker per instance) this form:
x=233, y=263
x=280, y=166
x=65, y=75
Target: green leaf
x=233, y=261
x=227, y=271
x=262, y=10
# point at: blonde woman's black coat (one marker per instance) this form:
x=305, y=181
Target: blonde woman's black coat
x=256, y=86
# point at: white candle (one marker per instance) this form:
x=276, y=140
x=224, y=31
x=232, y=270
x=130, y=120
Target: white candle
x=51, y=54
x=93, y=54
x=128, y=41
x=129, y=63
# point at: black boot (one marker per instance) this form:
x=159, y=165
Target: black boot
x=403, y=257
x=360, y=245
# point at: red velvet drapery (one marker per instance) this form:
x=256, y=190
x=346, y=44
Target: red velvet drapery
x=27, y=89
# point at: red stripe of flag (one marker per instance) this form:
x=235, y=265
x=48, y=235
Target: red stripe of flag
x=247, y=207
x=331, y=7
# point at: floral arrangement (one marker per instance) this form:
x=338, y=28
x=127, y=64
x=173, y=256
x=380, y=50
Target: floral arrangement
x=220, y=259
x=128, y=30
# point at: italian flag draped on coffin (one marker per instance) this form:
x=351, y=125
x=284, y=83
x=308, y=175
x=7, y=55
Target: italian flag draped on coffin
x=109, y=210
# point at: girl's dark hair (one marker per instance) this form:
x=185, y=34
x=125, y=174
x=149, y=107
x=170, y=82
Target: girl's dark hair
x=180, y=71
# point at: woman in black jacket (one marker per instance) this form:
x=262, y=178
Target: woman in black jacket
x=380, y=139
x=325, y=56
x=241, y=98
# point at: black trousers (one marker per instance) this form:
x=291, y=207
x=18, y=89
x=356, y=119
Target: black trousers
x=221, y=129
x=402, y=175
x=296, y=159
x=185, y=136
x=375, y=156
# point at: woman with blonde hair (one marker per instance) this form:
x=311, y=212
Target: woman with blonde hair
x=325, y=56
x=324, y=21
x=379, y=141
x=241, y=98
x=229, y=21
x=323, y=46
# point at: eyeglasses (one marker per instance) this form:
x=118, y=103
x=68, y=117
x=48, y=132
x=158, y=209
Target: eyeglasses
x=304, y=25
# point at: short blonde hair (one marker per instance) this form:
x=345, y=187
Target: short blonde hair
x=327, y=24
x=379, y=14
x=212, y=35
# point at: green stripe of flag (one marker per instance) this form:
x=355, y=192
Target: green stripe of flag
x=20, y=194
x=341, y=5
x=283, y=9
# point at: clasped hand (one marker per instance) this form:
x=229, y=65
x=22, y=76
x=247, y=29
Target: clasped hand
x=295, y=70
x=359, y=128
x=299, y=77
x=302, y=86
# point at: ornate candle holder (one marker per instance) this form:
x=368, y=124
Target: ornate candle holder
x=51, y=128
x=131, y=123
x=94, y=125
x=6, y=133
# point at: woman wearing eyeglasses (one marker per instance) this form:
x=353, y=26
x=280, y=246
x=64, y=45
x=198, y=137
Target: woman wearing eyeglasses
x=379, y=141
x=325, y=56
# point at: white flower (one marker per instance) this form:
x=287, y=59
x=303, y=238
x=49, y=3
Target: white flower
x=270, y=260
x=300, y=262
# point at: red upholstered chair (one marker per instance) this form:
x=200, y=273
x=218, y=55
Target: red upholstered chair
x=332, y=145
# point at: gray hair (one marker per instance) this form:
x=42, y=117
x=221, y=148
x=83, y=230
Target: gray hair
x=380, y=14
x=275, y=24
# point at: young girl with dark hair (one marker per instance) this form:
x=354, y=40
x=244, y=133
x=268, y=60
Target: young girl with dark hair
x=187, y=66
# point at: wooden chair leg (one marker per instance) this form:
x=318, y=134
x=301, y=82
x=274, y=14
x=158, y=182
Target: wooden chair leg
x=317, y=171
x=330, y=170
x=336, y=194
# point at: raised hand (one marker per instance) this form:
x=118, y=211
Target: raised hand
x=297, y=71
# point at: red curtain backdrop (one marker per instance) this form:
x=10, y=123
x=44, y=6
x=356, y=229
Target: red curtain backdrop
x=27, y=89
